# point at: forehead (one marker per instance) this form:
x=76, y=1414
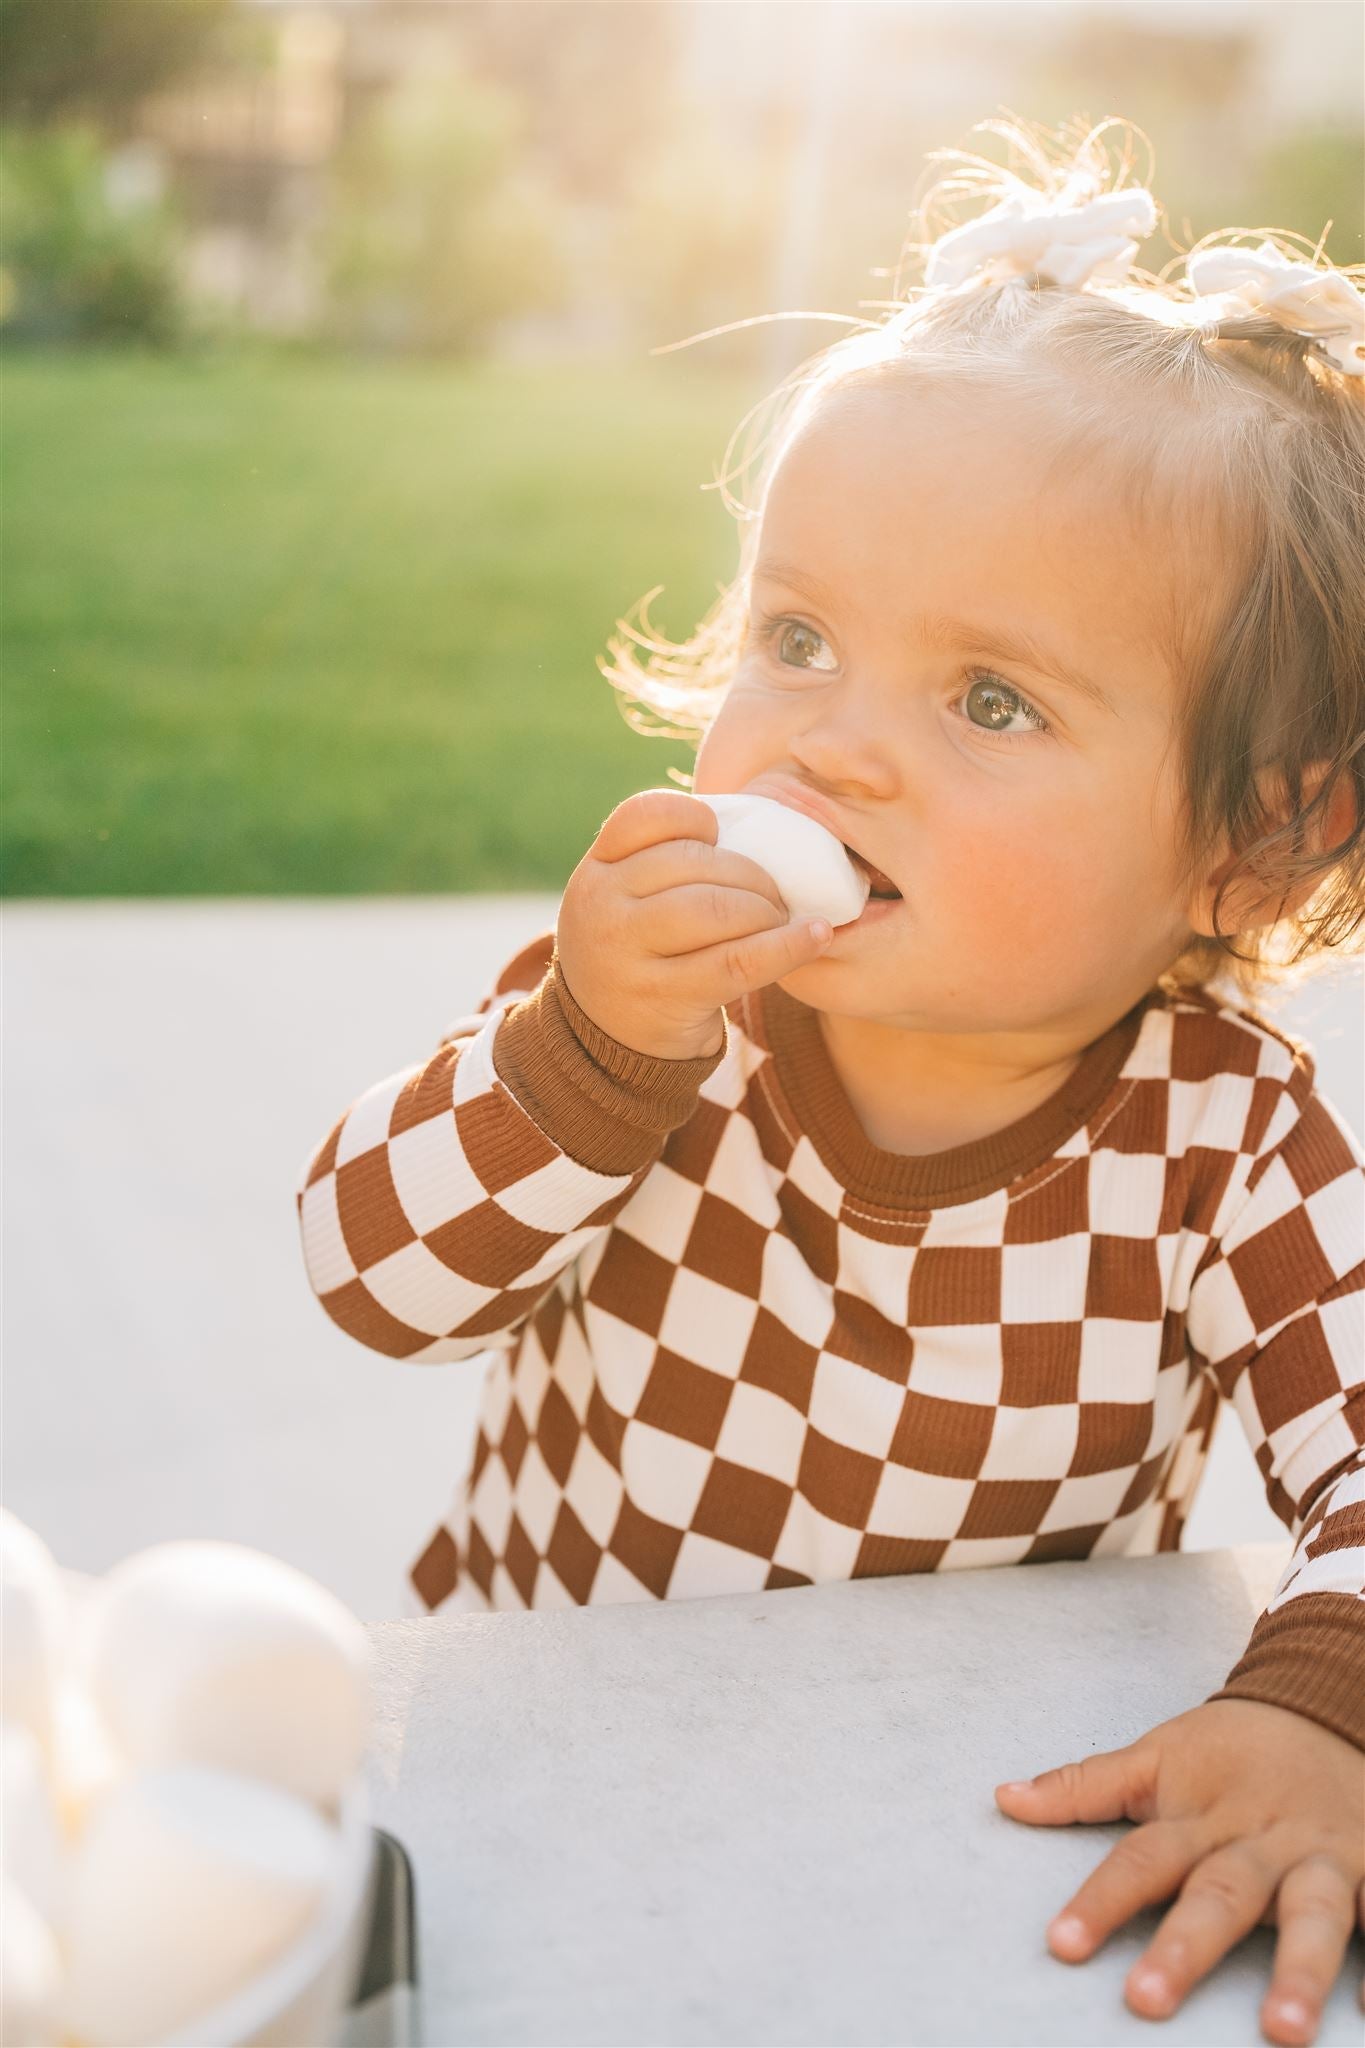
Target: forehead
x=992, y=507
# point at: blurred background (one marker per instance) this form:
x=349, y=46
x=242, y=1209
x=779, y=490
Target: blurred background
x=335, y=440
x=332, y=433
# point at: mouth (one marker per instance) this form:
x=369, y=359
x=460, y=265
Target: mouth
x=882, y=888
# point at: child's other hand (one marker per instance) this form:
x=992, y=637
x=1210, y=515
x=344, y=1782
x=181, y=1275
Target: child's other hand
x=658, y=928
x=1254, y=1815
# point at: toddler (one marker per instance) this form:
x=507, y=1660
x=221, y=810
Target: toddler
x=935, y=1240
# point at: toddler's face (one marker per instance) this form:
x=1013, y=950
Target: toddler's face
x=909, y=542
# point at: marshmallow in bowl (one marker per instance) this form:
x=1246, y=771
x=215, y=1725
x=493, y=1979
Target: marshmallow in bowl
x=814, y=876
x=212, y=1653
x=34, y=1852
x=30, y=1971
x=186, y=1883
x=85, y=1762
x=33, y=1618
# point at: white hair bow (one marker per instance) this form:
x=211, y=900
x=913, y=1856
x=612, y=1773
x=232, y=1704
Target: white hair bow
x=1065, y=243
x=1321, y=303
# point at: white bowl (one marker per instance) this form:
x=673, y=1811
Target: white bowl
x=299, y=1999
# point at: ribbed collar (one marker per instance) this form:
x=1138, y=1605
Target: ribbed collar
x=932, y=1180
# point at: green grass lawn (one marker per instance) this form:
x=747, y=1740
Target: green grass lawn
x=275, y=624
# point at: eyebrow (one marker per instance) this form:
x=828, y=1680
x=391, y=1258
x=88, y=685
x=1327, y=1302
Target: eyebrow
x=959, y=634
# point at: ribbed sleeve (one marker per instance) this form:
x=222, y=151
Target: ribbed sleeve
x=1308, y=1656
x=1278, y=1313
x=599, y=1101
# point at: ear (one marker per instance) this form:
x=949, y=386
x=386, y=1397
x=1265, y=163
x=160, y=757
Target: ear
x=1249, y=902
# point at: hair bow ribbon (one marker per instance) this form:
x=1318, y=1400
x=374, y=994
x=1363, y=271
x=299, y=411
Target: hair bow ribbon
x=1067, y=244
x=1323, y=304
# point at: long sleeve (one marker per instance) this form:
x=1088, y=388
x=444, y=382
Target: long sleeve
x=448, y=1200
x=1278, y=1314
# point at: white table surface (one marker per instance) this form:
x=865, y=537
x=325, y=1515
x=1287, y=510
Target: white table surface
x=769, y=1818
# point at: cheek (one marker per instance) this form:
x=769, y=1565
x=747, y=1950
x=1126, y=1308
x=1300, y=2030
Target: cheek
x=998, y=872
x=1025, y=870
x=737, y=744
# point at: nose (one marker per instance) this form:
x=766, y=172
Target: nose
x=845, y=759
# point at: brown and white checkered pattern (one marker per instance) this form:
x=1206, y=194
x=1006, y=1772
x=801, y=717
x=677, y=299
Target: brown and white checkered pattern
x=722, y=1372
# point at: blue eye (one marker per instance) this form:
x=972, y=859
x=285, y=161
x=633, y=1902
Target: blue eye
x=992, y=705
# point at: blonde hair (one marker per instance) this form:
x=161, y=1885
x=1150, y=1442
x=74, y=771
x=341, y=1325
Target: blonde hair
x=1271, y=454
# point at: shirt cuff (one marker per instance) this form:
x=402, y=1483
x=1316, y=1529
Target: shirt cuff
x=1309, y=1656
x=599, y=1101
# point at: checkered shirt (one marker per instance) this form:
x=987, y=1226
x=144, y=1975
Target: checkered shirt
x=731, y=1345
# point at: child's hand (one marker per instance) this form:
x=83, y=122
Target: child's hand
x=1254, y=1815
x=658, y=928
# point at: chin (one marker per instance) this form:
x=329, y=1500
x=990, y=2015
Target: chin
x=811, y=984
x=795, y=981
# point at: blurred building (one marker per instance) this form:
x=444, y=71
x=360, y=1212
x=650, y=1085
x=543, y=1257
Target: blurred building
x=246, y=150
x=849, y=96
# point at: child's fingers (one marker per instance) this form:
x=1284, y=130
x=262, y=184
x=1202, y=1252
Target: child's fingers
x=674, y=863
x=652, y=815
x=1315, y=1910
x=1117, y=1784
x=1220, y=1902
x=679, y=922
x=736, y=967
x=1147, y=1865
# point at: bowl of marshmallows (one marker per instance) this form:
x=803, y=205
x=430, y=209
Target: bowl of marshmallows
x=188, y=1859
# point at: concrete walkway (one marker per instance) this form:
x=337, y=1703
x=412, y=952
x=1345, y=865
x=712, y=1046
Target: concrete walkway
x=169, y=1066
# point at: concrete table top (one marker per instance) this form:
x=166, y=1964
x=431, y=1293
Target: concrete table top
x=769, y=1818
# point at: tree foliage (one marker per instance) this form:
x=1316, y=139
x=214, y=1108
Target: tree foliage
x=75, y=266
x=96, y=59
x=438, y=228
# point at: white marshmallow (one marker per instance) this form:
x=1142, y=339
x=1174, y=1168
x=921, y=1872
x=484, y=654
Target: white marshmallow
x=814, y=875
x=33, y=1619
x=33, y=1848
x=30, y=1972
x=187, y=1882
x=86, y=1764
x=212, y=1653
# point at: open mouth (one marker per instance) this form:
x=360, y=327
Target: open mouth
x=882, y=886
